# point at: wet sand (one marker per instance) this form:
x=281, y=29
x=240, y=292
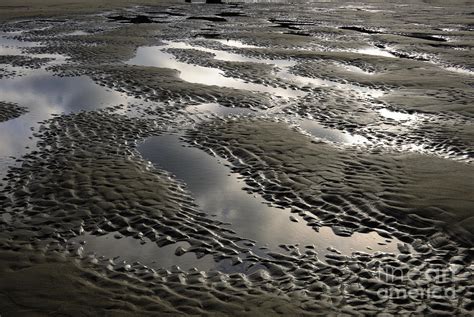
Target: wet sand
x=189, y=159
x=10, y=111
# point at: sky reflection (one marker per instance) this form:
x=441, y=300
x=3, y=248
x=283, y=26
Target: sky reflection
x=44, y=95
x=155, y=56
x=219, y=192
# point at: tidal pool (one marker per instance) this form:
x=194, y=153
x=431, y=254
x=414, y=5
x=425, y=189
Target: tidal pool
x=319, y=131
x=235, y=43
x=396, y=115
x=154, y=56
x=375, y=51
x=130, y=250
x=46, y=95
x=220, y=193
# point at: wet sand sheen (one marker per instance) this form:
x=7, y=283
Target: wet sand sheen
x=46, y=95
x=92, y=154
x=219, y=192
x=156, y=57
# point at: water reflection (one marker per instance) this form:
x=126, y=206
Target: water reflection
x=235, y=43
x=144, y=251
x=11, y=46
x=396, y=115
x=219, y=192
x=156, y=57
x=355, y=69
x=459, y=69
x=375, y=51
x=233, y=57
x=332, y=135
x=77, y=33
x=7, y=40
x=318, y=82
x=221, y=55
x=216, y=110
x=44, y=95
x=8, y=50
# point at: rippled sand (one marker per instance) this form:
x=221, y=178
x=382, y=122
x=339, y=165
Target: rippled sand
x=236, y=159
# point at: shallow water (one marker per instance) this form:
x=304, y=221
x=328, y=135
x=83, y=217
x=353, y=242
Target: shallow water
x=77, y=33
x=155, y=57
x=355, y=69
x=128, y=249
x=11, y=46
x=7, y=40
x=396, y=115
x=208, y=111
x=235, y=43
x=234, y=57
x=45, y=95
x=375, y=51
x=319, y=131
x=460, y=70
x=318, y=82
x=218, y=192
x=221, y=194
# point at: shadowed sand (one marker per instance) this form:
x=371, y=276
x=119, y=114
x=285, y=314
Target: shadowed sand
x=397, y=185
x=371, y=136
x=12, y=9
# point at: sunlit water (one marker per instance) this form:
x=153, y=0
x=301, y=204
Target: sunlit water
x=156, y=57
x=238, y=44
x=375, y=51
x=45, y=95
x=320, y=132
x=218, y=192
x=215, y=188
x=396, y=115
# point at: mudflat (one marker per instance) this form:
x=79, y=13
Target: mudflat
x=269, y=158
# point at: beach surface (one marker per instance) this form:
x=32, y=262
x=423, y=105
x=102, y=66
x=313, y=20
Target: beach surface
x=239, y=159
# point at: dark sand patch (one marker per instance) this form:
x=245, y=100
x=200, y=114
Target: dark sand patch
x=89, y=159
x=163, y=84
x=10, y=111
x=46, y=8
x=257, y=73
x=274, y=156
x=85, y=178
x=38, y=283
x=444, y=99
x=446, y=186
x=24, y=61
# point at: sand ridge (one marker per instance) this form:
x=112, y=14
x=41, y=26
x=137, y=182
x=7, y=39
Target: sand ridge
x=409, y=179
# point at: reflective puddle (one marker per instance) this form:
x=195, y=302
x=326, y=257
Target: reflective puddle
x=355, y=69
x=218, y=192
x=12, y=46
x=7, y=40
x=396, y=115
x=321, y=132
x=233, y=57
x=156, y=57
x=208, y=111
x=45, y=95
x=238, y=44
x=375, y=51
x=131, y=250
x=318, y=82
